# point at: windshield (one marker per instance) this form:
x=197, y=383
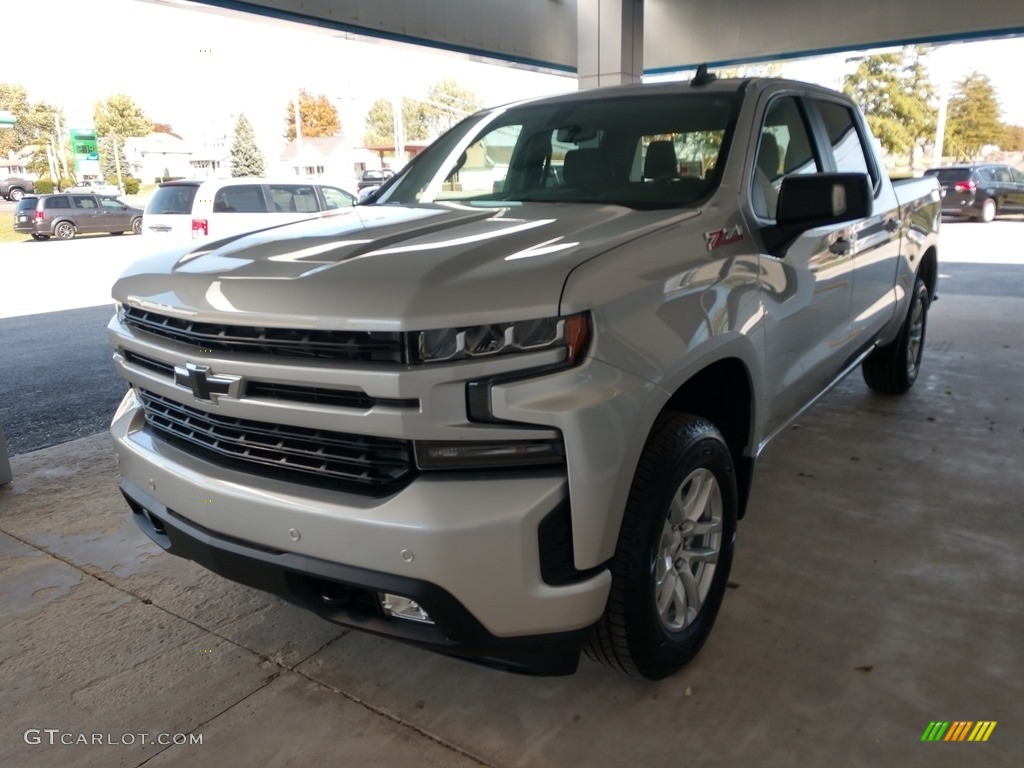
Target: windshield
x=644, y=150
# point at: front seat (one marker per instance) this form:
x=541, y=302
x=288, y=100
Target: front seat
x=660, y=161
x=767, y=172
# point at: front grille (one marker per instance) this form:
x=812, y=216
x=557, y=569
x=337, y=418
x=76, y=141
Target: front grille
x=357, y=346
x=342, y=398
x=368, y=465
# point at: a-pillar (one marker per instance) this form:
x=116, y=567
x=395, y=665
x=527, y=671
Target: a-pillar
x=609, y=42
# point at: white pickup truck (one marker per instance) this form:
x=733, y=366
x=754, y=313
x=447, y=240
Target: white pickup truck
x=510, y=408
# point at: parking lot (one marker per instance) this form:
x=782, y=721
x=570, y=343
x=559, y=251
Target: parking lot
x=878, y=586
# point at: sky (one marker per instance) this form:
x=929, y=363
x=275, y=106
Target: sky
x=198, y=70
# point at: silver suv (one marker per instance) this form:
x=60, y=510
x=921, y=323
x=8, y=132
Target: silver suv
x=64, y=215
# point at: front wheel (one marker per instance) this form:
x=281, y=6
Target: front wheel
x=893, y=369
x=674, y=552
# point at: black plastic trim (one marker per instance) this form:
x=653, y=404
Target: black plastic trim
x=304, y=580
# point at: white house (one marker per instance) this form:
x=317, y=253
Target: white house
x=159, y=154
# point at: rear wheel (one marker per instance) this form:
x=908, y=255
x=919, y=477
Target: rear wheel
x=674, y=552
x=15, y=195
x=40, y=237
x=65, y=230
x=988, y=211
x=137, y=226
x=893, y=369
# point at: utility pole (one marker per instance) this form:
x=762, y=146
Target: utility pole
x=396, y=116
x=62, y=155
x=298, y=132
x=940, y=124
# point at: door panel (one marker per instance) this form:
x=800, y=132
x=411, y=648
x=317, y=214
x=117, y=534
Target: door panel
x=876, y=240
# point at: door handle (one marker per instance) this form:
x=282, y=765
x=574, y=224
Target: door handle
x=841, y=247
x=892, y=225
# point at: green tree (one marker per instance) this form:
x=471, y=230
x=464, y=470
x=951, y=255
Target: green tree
x=246, y=157
x=380, y=127
x=973, y=117
x=446, y=104
x=33, y=122
x=319, y=116
x=898, y=99
x=119, y=115
x=108, y=162
x=1013, y=138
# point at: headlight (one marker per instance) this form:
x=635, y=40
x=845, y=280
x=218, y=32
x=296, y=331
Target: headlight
x=451, y=344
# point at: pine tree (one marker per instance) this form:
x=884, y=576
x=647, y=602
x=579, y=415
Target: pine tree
x=108, y=164
x=973, y=117
x=246, y=157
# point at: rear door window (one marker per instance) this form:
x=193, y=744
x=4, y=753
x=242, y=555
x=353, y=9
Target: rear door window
x=242, y=198
x=293, y=198
x=847, y=145
x=84, y=202
x=57, y=202
x=173, y=199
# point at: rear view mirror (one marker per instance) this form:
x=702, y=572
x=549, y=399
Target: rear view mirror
x=575, y=134
x=814, y=200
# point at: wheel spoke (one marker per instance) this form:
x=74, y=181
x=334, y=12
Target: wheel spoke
x=692, y=594
x=697, y=499
x=704, y=527
x=695, y=555
x=665, y=590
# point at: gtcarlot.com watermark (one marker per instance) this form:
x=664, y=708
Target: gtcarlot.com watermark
x=55, y=736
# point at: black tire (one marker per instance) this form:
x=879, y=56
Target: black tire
x=137, y=226
x=117, y=233
x=635, y=635
x=893, y=369
x=40, y=237
x=64, y=230
x=988, y=211
x=15, y=195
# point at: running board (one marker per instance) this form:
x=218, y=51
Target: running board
x=857, y=360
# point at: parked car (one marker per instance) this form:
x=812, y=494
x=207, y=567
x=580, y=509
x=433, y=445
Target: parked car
x=373, y=178
x=509, y=424
x=15, y=188
x=196, y=209
x=980, y=191
x=65, y=215
x=95, y=187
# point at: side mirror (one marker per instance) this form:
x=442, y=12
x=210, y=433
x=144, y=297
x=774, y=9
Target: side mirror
x=814, y=200
x=366, y=195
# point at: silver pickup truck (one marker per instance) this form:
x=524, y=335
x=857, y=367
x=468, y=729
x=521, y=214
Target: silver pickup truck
x=510, y=409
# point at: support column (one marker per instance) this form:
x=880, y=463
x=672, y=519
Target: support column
x=609, y=42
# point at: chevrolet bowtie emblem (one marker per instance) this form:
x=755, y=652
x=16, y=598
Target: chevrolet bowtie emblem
x=204, y=385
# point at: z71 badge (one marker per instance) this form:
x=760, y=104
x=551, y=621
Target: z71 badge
x=721, y=237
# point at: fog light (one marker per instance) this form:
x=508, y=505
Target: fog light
x=403, y=608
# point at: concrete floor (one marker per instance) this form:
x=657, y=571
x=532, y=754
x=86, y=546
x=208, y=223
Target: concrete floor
x=879, y=585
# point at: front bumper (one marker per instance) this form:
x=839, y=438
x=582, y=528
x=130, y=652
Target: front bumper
x=464, y=545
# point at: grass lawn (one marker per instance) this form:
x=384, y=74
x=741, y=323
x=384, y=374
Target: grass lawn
x=7, y=233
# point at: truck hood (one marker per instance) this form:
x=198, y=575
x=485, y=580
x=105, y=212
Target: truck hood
x=390, y=267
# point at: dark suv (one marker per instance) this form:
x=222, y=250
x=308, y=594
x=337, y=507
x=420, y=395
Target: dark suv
x=980, y=191
x=63, y=216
